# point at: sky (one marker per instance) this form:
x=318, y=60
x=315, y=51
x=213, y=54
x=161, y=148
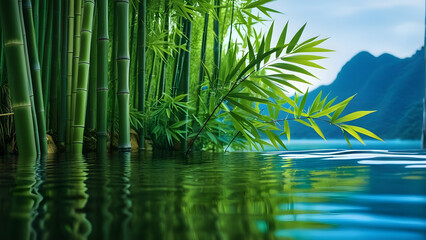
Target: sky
x=377, y=26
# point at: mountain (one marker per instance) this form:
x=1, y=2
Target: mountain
x=394, y=87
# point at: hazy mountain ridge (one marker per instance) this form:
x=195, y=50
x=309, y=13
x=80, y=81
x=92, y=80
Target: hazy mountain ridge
x=394, y=87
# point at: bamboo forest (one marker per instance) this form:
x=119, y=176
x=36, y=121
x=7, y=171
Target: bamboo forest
x=210, y=119
x=182, y=75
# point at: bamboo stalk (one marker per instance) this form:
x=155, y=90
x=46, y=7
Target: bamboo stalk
x=114, y=74
x=35, y=75
x=43, y=11
x=15, y=60
x=141, y=68
x=70, y=54
x=46, y=67
x=162, y=84
x=36, y=19
x=123, y=64
x=91, y=101
x=216, y=55
x=30, y=86
x=62, y=111
x=2, y=64
x=150, y=77
x=203, y=60
x=76, y=56
x=56, y=57
x=83, y=77
x=102, y=84
x=183, y=87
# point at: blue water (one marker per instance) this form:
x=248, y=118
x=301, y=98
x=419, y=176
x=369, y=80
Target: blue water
x=314, y=194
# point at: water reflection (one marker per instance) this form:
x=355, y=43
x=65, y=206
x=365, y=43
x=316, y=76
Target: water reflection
x=152, y=195
x=62, y=213
x=24, y=200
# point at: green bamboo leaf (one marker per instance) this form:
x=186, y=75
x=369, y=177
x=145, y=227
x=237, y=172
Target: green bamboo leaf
x=255, y=88
x=261, y=51
x=281, y=40
x=272, y=139
x=287, y=129
x=331, y=109
x=178, y=124
x=310, y=40
x=289, y=77
x=244, y=107
x=302, y=62
x=328, y=103
x=275, y=89
x=296, y=58
x=268, y=41
x=295, y=39
x=303, y=122
x=302, y=104
x=271, y=111
x=212, y=137
x=256, y=61
x=283, y=82
x=346, y=138
x=302, y=47
x=246, y=96
x=366, y=132
x=314, y=107
x=236, y=68
x=235, y=122
x=339, y=111
x=251, y=50
x=352, y=132
x=266, y=10
x=314, y=125
x=352, y=116
x=292, y=68
x=257, y=4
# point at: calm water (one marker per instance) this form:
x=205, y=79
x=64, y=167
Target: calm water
x=323, y=194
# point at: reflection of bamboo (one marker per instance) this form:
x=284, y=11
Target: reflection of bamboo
x=98, y=185
x=121, y=204
x=24, y=202
x=65, y=198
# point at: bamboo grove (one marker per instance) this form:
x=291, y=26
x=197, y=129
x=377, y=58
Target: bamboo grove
x=183, y=74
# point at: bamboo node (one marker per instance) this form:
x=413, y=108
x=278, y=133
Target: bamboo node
x=13, y=43
x=123, y=92
x=123, y=58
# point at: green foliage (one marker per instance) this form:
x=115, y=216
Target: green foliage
x=254, y=92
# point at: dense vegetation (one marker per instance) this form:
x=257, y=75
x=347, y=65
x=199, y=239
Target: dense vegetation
x=191, y=74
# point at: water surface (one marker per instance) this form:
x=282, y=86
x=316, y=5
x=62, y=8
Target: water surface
x=321, y=194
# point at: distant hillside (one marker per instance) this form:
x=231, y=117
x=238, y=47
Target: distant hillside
x=394, y=87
